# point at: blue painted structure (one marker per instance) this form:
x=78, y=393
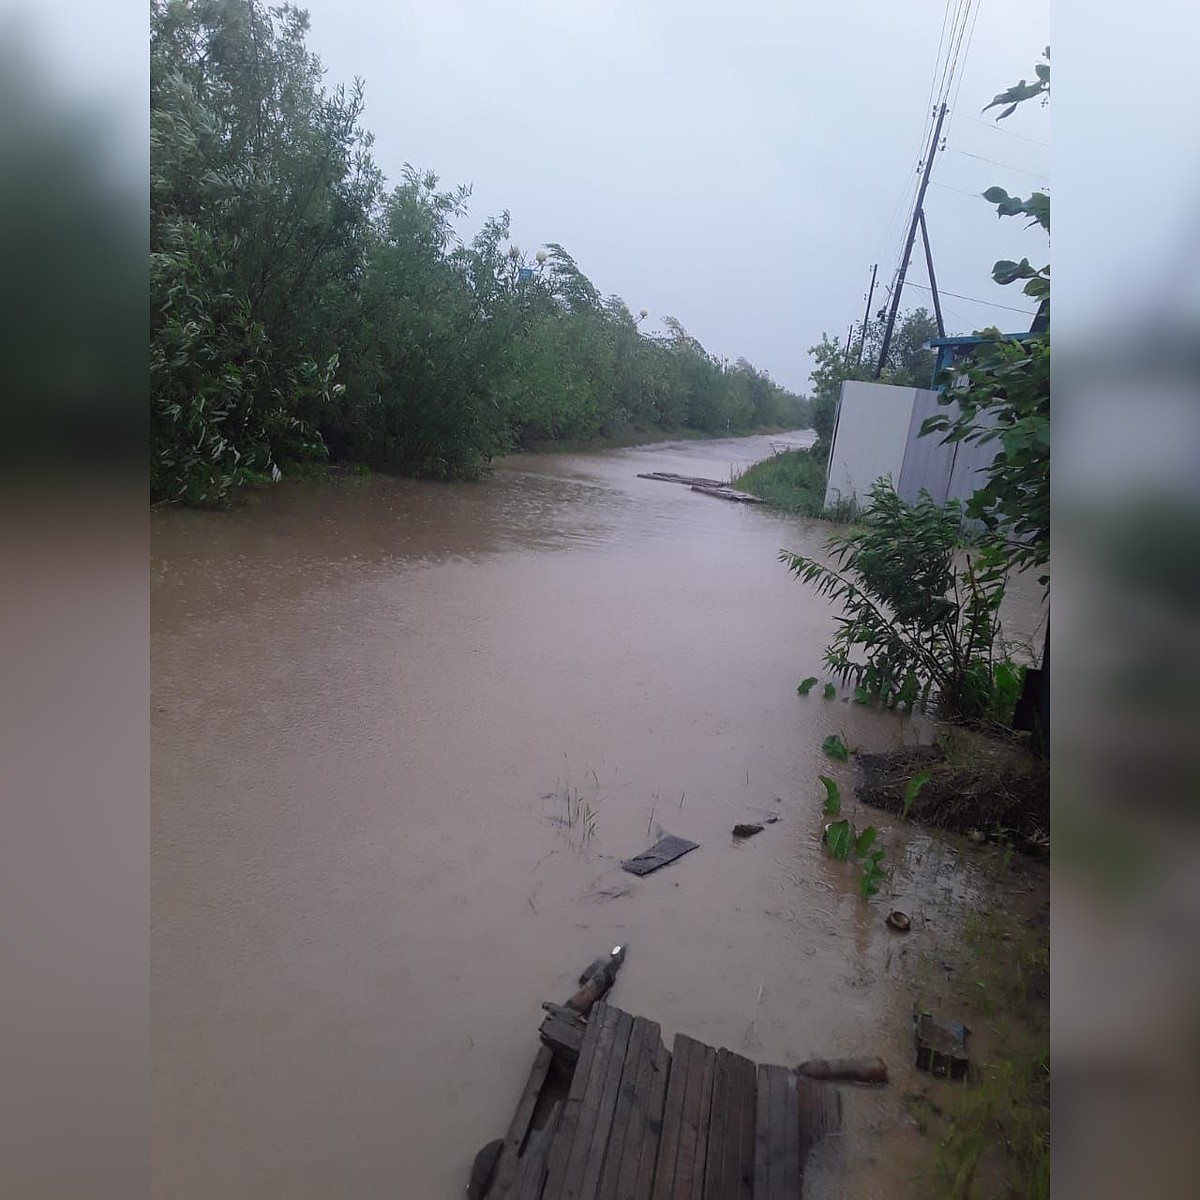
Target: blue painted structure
x=951, y=350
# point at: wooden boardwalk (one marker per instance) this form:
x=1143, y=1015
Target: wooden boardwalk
x=632, y=1121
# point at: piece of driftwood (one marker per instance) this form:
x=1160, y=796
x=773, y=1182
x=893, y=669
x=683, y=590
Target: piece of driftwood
x=852, y=1070
x=509, y=1160
x=598, y=982
x=665, y=850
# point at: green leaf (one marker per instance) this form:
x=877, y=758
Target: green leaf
x=806, y=685
x=864, y=841
x=829, y=691
x=837, y=838
x=833, y=797
x=835, y=748
x=912, y=789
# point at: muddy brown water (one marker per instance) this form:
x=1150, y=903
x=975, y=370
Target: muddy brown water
x=403, y=733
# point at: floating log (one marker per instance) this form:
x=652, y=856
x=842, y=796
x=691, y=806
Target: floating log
x=724, y=492
x=687, y=480
x=711, y=487
x=853, y=1070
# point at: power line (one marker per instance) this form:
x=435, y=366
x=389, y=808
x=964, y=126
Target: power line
x=938, y=57
x=957, y=49
x=960, y=191
x=962, y=75
x=1006, y=166
x=1008, y=132
x=974, y=299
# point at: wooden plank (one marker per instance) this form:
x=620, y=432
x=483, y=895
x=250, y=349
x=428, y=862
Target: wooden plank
x=820, y=1113
x=531, y=1178
x=718, y=1123
x=668, y=1150
x=787, y=1180
x=777, y=1136
x=625, y=1137
x=729, y=1170
x=762, y=1134
x=506, y=1167
x=665, y=850
x=562, y=1030
x=604, y=1112
x=746, y=1096
x=652, y=1130
x=693, y=1138
x=560, y=1150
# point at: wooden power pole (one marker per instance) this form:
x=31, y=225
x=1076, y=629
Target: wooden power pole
x=862, y=340
x=908, y=244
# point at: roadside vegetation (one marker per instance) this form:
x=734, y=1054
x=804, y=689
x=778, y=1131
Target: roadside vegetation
x=304, y=310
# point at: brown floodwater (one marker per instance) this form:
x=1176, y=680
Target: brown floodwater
x=402, y=736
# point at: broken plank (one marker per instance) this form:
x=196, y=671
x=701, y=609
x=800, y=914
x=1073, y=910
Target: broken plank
x=665, y=850
x=819, y=1112
x=532, y=1176
x=563, y=1032
x=729, y=1171
x=506, y=1167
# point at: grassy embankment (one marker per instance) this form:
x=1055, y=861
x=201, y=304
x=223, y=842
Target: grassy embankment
x=793, y=481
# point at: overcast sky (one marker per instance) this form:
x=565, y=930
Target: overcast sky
x=738, y=166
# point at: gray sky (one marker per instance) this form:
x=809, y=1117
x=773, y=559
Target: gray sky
x=738, y=166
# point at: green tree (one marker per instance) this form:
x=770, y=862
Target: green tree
x=261, y=189
x=909, y=365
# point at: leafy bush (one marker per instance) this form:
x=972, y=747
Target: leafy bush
x=919, y=622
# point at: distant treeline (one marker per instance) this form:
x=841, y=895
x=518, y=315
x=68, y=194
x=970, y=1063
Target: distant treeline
x=301, y=311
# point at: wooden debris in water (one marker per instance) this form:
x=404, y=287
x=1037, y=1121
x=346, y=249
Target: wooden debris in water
x=711, y=487
x=665, y=850
x=852, y=1070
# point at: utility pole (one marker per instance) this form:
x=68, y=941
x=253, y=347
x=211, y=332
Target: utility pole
x=937, y=300
x=849, y=340
x=908, y=244
x=862, y=341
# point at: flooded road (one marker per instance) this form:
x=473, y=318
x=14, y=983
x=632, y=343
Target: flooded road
x=403, y=734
